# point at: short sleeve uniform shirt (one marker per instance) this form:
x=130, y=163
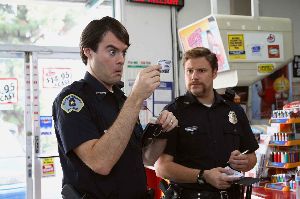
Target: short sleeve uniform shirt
x=207, y=135
x=82, y=112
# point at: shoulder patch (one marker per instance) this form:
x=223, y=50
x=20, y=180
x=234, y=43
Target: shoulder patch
x=72, y=103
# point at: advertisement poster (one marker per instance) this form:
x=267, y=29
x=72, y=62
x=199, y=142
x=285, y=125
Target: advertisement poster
x=271, y=93
x=236, y=46
x=205, y=33
x=162, y=96
x=48, y=145
x=255, y=46
x=48, y=167
x=8, y=90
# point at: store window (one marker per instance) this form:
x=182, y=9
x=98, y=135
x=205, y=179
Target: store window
x=48, y=22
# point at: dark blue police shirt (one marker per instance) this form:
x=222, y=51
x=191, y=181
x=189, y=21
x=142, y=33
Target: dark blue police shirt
x=207, y=135
x=82, y=112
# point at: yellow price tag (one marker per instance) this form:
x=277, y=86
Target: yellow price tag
x=265, y=68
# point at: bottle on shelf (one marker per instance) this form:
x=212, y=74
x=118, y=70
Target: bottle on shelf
x=297, y=179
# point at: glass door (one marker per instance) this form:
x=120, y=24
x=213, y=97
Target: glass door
x=29, y=82
x=55, y=71
x=12, y=127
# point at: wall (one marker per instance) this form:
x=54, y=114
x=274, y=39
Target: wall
x=240, y=7
x=149, y=27
x=286, y=9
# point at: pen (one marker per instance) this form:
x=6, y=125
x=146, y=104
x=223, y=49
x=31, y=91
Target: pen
x=244, y=152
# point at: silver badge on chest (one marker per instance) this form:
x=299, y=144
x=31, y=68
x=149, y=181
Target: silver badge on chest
x=191, y=129
x=232, y=117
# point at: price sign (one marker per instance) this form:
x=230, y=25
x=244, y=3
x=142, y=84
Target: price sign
x=8, y=90
x=57, y=77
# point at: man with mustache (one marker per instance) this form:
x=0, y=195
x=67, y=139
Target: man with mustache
x=213, y=132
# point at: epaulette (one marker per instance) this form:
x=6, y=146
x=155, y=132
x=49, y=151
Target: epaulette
x=75, y=87
x=178, y=103
x=182, y=101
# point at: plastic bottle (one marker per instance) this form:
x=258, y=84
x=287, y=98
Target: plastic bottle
x=297, y=179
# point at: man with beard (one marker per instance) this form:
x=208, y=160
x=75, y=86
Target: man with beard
x=213, y=133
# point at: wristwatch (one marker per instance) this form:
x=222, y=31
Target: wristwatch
x=200, y=178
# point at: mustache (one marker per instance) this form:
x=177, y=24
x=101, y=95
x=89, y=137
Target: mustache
x=196, y=83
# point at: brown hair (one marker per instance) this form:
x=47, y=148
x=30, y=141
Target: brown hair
x=94, y=32
x=201, y=52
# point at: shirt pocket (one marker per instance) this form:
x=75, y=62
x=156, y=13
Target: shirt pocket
x=232, y=137
x=193, y=142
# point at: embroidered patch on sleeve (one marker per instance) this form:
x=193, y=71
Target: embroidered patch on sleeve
x=72, y=103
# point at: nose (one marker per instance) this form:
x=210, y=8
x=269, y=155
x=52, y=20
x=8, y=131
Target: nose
x=120, y=58
x=194, y=75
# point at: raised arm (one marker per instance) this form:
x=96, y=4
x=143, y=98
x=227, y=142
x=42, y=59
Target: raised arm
x=103, y=153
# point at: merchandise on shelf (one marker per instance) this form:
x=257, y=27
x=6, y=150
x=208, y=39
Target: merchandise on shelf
x=285, y=155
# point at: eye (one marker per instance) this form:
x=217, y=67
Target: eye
x=189, y=71
x=112, y=52
x=124, y=53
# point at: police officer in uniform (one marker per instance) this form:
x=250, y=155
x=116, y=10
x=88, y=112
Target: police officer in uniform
x=213, y=133
x=97, y=128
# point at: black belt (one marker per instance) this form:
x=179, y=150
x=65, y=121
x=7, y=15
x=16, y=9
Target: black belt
x=192, y=194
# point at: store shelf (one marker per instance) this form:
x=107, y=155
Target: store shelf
x=284, y=143
x=277, y=186
x=287, y=130
x=282, y=165
x=285, y=120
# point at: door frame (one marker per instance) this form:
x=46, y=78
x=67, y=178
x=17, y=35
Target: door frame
x=31, y=55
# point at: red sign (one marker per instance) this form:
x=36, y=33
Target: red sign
x=161, y=2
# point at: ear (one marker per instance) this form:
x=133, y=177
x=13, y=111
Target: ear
x=87, y=52
x=215, y=73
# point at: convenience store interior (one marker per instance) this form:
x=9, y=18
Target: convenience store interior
x=258, y=42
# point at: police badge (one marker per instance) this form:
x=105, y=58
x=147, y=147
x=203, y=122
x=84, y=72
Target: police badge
x=232, y=117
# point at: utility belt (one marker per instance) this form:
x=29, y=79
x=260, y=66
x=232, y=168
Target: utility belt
x=194, y=194
x=69, y=192
x=175, y=191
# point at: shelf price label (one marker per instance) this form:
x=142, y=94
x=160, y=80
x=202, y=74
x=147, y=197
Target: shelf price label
x=8, y=90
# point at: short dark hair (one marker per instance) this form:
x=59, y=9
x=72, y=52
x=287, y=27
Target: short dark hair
x=94, y=32
x=201, y=52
